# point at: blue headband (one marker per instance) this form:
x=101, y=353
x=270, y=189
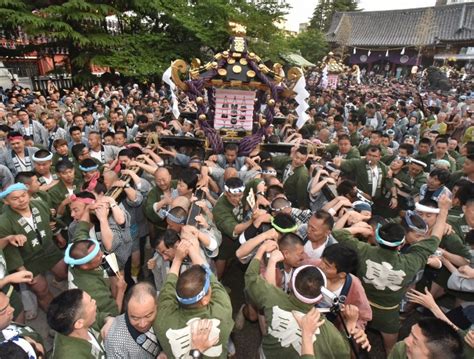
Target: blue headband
x=13, y=188
x=88, y=169
x=380, y=240
x=408, y=216
x=361, y=206
x=80, y=261
x=202, y=293
x=166, y=214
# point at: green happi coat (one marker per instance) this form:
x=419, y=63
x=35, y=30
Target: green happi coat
x=284, y=336
x=8, y=289
x=96, y=283
x=226, y=216
x=460, y=226
x=360, y=169
x=172, y=322
x=453, y=244
x=333, y=149
x=416, y=183
x=38, y=255
x=78, y=348
x=355, y=138
x=59, y=193
x=296, y=183
x=430, y=160
x=399, y=351
x=155, y=196
x=385, y=273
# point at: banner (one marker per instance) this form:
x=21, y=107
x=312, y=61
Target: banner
x=234, y=109
x=332, y=81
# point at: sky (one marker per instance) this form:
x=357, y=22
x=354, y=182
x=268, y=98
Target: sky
x=303, y=9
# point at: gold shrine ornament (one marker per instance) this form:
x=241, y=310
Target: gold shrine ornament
x=231, y=61
x=222, y=72
x=251, y=73
x=237, y=69
x=243, y=62
x=239, y=44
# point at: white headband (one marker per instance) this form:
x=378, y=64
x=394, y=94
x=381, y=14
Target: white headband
x=234, y=190
x=418, y=162
x=422, y=208
x=301, y=297
x=43, y=159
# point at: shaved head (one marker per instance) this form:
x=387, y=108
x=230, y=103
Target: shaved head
x=141, y=292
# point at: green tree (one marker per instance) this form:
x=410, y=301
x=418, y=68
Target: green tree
x=140, y=38
x=324, y=11
x=311, y=43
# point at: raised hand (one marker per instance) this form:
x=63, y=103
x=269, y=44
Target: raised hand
x=276, y=256
x=309, y=322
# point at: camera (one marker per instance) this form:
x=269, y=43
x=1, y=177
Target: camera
x=332, y=298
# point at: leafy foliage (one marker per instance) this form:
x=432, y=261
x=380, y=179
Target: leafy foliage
x=139, y=38
x=324, y=11
x=312, y=44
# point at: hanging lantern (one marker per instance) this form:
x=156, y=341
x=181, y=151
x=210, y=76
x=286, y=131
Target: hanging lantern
x=386, y=54
x=402, y=52
x=368, y=54
x=354, y=51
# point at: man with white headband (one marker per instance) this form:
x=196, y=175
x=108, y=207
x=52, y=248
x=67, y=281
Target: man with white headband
x=283, y=338
x=417, y=178
x=42, y=161
x=187, y=297
x=451, y=247
x=385, y=272
x=232, y=218
x=39, y=254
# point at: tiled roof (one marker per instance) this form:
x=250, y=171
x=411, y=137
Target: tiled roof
x=400, y=27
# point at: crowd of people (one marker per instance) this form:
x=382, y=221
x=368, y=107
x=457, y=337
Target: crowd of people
x=368, y=219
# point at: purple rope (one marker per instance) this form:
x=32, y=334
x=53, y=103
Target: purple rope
x=196, y=89
x=248, y=143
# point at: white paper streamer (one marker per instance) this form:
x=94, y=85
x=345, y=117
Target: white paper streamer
x=301, y=96
x=324, y=78
x=171, y=84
